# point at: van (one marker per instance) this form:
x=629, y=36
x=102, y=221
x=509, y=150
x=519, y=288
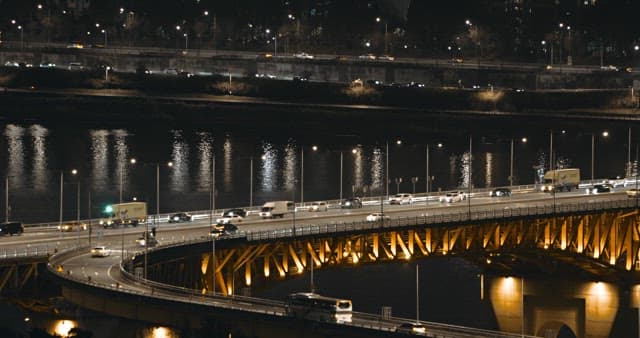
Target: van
x=276, y=209
x=11, y=228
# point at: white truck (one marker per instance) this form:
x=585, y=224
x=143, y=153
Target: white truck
x=276, y=209
x=560, y=179
x=131, y=213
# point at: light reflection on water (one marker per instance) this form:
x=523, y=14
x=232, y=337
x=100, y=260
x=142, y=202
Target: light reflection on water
x=179, y=173
x=38, y=135
x=34, y=157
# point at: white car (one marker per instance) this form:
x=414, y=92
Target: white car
x=452, y=197
x=229, y=219
x=319, y=206
x=377, y=216
x=100, y=251
x=303, y=55
x=367, y=57
x=12, y=64
x=401, y=199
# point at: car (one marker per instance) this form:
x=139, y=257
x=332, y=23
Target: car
x=73, y=226
x=11, y=228
x=264, y=56
x=229, y=219
x=75, y=45
x=600, y=188
x=152, y=240
x=318, y=206
x=185, y=74
x=452, y=197
x=100, y=251
x=171, y=71
x=235, y=211
x=12, y=64
x=351, y=203
x=609, y=68
x=500, y=192
x=367, y=57
x=374, y=83
x=401, y=199
x=265, y=76
x=300, y=79
x=386, y=58
x=75, y=66
x=223, y=230
x=377, y=216
x=411, y=328
x=47, y=64
x=416, y=84
x=457, y=60
x=303, y=55
x=180, y=217
x=633, y=193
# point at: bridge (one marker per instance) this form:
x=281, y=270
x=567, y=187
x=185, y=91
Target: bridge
x=596, y=236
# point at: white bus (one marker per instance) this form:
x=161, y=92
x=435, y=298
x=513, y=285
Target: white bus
x=316, y=307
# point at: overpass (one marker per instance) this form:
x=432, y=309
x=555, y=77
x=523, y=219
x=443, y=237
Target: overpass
x=599, y=238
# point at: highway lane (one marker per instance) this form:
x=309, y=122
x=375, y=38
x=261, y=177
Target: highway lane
x=46, y=239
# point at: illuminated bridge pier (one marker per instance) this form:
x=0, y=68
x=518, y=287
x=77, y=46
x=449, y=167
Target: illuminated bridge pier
x=597, y=241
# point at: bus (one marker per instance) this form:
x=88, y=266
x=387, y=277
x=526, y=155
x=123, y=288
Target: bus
x=320, y=308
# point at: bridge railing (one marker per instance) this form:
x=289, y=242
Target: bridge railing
x=332, y=204
x=469, y=215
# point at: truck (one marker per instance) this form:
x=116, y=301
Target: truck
x=560, y=179
x=121, y=214
x=276, y=209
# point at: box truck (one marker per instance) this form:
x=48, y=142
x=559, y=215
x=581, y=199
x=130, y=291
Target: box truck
x=561, y=179
x=131, y=213
x=276, y=209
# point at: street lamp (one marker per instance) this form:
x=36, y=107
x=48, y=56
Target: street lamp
x=386, y=44
x=73, y=172
x=523, y=140
x=387, y=182
x=157, y=220
x=6, y=199
x=428, y=176
x=314, y=148
x=593, y=150
x=186, y=41
x=104, y=31
x=21, y=37
x=132, y=161
x=353, y=151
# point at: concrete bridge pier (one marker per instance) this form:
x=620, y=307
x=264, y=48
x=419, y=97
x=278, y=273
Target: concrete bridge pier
x=555, y=309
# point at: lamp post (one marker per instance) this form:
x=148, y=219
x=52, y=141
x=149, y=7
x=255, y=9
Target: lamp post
x=428, y=175
x=132, y=161
x=157, y=220
x=470, y=173
x=186, y=41
x=212, y=206
x=387, y=182
x=73, y=172
x=593, y=151
x=104, y=31
x=314, y=148
x=523, y=140
x=6, y=199
x=20, y=28
x=386, y=41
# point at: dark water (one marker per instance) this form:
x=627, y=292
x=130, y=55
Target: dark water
x=33, y=157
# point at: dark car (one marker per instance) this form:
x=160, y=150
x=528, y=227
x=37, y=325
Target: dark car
x=180, y=217
x=233, y=212
x=223, y=230
x=600, y=188
x=411, y=328
x=500, y=192
x=351, y=203
x=11, y=228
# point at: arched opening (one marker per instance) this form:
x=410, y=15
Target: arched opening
x=556, y=330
